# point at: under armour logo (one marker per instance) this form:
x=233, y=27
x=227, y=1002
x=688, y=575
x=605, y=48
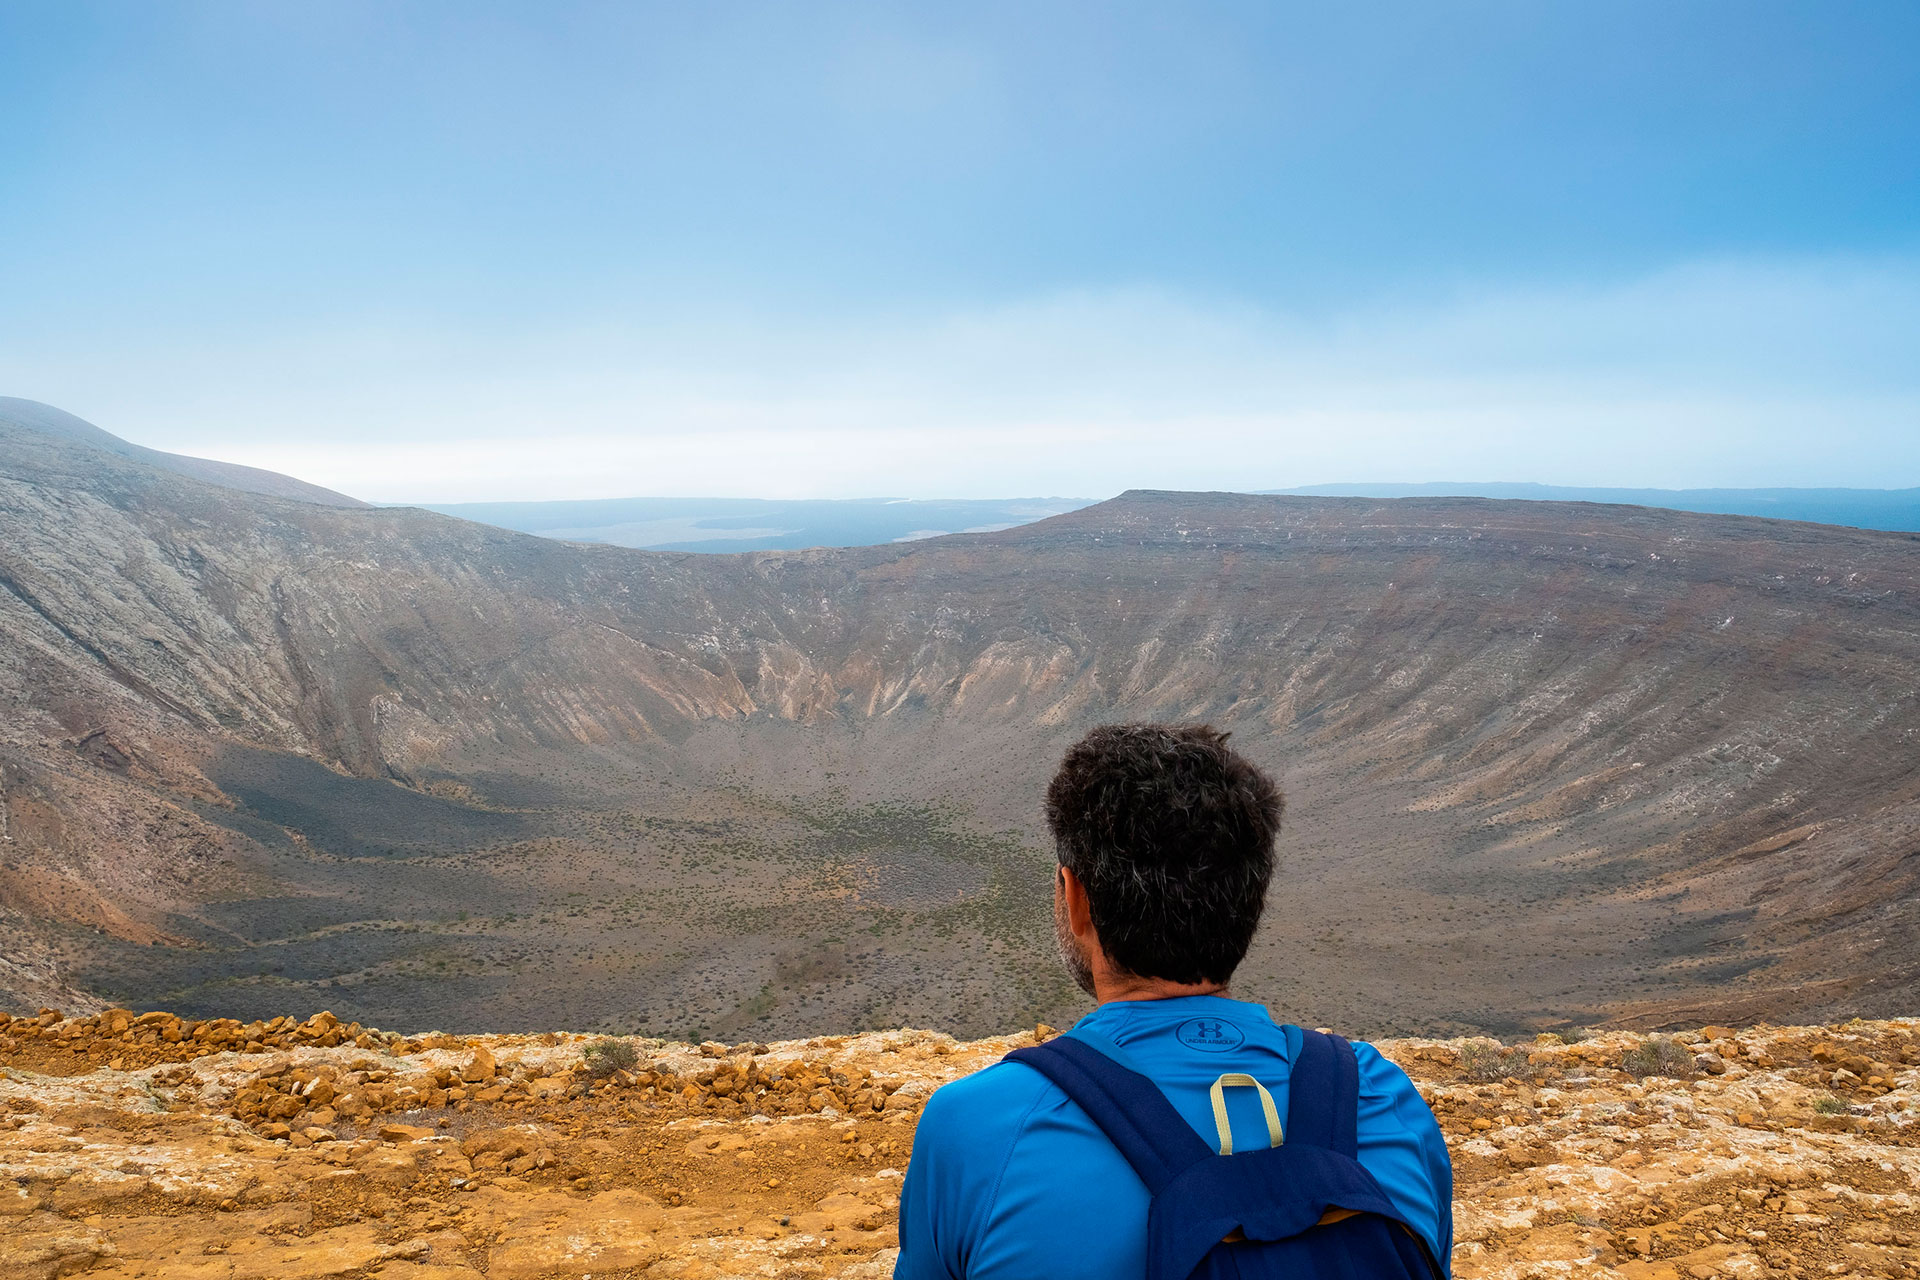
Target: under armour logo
x=1213, y=1035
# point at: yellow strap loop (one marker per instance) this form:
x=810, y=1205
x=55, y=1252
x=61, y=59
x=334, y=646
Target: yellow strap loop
x=1220, y=1122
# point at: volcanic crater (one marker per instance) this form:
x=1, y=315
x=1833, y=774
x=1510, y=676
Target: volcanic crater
x=1548, y=764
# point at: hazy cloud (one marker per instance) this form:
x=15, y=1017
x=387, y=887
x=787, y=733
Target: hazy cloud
x=1727, y=372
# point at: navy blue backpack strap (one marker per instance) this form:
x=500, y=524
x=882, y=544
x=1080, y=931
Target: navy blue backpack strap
x=1128, y=1108
x=1323, y=1095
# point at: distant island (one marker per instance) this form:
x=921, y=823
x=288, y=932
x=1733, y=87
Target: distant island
x=1895, y=509
x=762, y=524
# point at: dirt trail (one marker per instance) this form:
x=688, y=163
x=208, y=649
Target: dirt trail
x=148, y=1148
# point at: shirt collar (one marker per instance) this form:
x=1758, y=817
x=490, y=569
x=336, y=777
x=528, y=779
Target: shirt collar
x=1123, y=1013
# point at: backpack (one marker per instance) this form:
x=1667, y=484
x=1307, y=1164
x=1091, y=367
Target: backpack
x=1303, y=1209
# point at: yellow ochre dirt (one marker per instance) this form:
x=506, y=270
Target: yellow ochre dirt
x=150, y=1147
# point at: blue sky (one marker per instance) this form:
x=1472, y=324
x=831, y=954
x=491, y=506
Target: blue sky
x=456, y=251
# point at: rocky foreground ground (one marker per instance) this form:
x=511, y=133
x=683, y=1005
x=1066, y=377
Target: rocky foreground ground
x=142, y=1147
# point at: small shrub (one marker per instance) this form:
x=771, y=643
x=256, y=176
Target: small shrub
x=1658, y=1056
x=1486, y=1062
x=1830, y=1106
x=604, y=1057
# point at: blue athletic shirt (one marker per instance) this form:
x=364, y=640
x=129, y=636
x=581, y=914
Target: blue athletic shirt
x=1011, y=1181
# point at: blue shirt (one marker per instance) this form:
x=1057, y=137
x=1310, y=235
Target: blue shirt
x=1011, y=1181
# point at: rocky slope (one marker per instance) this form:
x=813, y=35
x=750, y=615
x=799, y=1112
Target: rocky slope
x=44, y=419
x=1548, y=762
x=151, y=1147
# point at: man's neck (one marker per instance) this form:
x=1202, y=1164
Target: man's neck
x=1110, y=988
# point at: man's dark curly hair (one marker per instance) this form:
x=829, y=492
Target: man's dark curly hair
x=1172, y=835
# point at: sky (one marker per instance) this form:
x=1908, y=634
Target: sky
x=462, y=251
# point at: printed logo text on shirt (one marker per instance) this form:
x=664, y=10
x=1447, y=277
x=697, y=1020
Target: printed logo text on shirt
x=1209, y=1035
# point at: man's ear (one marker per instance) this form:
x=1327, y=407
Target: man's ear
x=1079, y=909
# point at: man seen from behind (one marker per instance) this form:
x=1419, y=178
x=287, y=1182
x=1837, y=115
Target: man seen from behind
x=1174, y=1131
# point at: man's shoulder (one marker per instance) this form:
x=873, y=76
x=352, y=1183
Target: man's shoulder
x=970, y=1128
x=1370, y=1057
x=1003, y=1168
x=991, y=1101
x=1379, y=1073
